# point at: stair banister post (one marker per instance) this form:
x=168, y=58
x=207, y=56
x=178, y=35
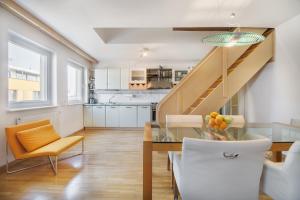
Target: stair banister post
x=224, y=71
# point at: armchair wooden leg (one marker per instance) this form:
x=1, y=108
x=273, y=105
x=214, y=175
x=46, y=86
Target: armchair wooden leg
x=8, y=171
x=54, y=166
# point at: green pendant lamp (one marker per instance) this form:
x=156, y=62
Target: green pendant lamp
x=229, y=39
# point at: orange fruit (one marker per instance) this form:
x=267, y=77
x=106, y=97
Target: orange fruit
x=223, y=125
x=216, y=127
x=218, y=121
x=214, y=114
x=211, y=122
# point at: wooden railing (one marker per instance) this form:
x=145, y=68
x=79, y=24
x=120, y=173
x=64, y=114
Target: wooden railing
x=181, y=97
x=238, y=77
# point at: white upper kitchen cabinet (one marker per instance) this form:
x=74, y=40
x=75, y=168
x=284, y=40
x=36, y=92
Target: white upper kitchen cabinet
x=143, y=115
x=99, y=116
x=101, y=78
x=113, y=78
x=128, y=116
x=112, y=116
x=88, y=116
x=124, y=78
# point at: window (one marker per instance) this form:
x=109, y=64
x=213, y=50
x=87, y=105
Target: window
x=12, y=95
x=29, y=74
x=35, y=95
x=75, y=82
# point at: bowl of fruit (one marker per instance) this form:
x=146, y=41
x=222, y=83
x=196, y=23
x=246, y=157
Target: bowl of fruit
x=218, y=123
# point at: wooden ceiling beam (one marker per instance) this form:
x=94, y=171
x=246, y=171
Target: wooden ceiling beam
x=28, y=17
x=203, y=29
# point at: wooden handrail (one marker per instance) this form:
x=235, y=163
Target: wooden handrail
x=239, y=77
x=191, y=87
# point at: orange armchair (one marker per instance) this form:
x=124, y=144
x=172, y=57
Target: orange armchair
x=37, y=139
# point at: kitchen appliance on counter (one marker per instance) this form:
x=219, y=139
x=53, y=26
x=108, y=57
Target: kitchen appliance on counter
x=153, y=112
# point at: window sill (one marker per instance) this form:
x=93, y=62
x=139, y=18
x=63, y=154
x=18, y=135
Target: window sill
x=31, y=108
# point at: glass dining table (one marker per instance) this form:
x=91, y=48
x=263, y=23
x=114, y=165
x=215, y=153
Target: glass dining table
x=164, y=139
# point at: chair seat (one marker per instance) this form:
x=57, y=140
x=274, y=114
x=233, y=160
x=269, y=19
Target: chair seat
x=54, y=148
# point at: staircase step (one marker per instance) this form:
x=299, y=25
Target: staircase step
x=189, y=110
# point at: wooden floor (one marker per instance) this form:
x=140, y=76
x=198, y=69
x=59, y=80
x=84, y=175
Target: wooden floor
x=110, y=169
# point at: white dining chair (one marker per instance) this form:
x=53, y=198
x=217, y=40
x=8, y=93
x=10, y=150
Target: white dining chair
x=281, y=181
x=213, y=170
x=181, y=121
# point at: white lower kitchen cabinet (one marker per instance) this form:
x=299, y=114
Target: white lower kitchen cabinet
x=128, y=116
x=99, y=116
x=143, y=115
x=88, y=116
x=112, y=116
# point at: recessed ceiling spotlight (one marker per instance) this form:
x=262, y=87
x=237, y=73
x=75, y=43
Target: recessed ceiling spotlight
x=144, y=52
x=232, y=15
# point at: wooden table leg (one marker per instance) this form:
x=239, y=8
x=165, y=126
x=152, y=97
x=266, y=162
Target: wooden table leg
x=147, y=163
x=277, y=156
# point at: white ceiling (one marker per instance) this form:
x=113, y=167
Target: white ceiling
x=118, y=29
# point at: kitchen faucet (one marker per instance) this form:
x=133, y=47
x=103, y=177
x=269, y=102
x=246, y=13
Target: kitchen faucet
x=110, y=98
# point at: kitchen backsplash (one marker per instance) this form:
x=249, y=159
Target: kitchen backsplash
x=131, y=96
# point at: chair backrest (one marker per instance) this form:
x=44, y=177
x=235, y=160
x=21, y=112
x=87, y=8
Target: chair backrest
x=238, y=121
x=295, y=122
x=291, y=171
x=227, y=170
x=194, y=121
x=12, y=140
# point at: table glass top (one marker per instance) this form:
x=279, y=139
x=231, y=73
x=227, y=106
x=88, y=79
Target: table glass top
x=277, y=133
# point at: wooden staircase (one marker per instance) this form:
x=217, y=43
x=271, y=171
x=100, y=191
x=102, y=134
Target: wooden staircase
x=201, y=91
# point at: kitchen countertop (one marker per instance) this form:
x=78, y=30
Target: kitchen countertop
x=120, y=104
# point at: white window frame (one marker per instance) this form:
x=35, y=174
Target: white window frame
x=76, y=65
x=47, y=85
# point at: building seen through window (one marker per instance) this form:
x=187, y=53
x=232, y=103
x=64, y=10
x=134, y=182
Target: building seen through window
x=26, y=74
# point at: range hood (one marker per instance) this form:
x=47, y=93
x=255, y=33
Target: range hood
x=161, y=84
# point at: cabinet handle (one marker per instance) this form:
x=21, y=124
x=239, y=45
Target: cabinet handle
x=99, y=107
x=145, y=107
x=113, y=107
x=128, y=106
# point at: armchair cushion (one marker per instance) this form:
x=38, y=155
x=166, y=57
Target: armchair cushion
x=35, y=138
x=55, y=148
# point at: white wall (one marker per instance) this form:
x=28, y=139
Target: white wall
x=67, y=119
x=274, y=94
